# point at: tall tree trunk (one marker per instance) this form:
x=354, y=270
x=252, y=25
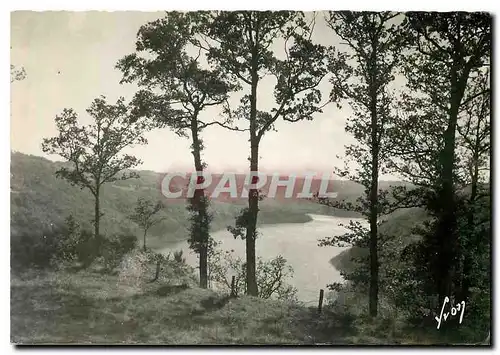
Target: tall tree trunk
x=374, y=266
x=97, y=214
x=253, y=210
x=448, y=251
x=447, y=222
x=373, y=293
x=200, y=208
x=204, y=267
x=144, y=241
x=157, y=273
x=253, y=195
x=96, y=247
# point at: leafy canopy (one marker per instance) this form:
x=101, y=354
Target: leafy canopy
x=95, y=151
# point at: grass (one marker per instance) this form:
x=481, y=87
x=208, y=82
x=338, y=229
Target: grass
x=92, y=308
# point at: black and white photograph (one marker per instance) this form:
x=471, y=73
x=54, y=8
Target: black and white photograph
x=251, y=178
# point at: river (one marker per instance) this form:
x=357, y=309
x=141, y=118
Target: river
x=297, y=243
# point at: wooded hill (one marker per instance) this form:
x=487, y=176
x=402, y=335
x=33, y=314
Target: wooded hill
x=40, y=200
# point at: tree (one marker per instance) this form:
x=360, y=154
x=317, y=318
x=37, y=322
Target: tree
x=239, y=44
x=175, y=90
x=474, y=140
x=272, y=275
x=448, y=49
x=362, y=75
x=144, y=215
x=95, y=151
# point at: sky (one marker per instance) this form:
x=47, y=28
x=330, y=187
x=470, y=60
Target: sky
x=69, y=58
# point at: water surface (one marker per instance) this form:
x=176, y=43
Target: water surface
x=296, y=242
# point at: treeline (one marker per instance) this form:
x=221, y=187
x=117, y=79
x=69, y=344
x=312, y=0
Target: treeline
x=433, y=131
x=40, y=202
x=430, y=127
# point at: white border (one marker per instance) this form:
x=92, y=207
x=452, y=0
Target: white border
x=147, y=5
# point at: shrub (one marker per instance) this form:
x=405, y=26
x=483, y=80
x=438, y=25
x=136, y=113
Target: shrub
x=68, y=242
x=76, y=244
x=53, y=247
x=134, y=266
x=88, y=247
x=176, y=271
x=114, y=248
x=33, y=250
x=139, y=266
x=271, y=275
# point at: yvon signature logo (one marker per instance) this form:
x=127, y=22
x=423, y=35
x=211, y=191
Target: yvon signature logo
x=453, y=311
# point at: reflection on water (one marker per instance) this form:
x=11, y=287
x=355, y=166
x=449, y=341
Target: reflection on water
x=296, y=242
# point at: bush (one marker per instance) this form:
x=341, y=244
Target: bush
x=114, y=248
x=178, y=257
x=53, y=247
x=57, y=247
x=34, y=250
x=175, y=270
x=88, y=247
x=75, y=244
x=134, y=266
x=68, y=242
x=271, y=275
x=138, y=266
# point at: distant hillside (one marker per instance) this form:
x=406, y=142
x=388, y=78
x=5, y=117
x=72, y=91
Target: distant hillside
x=345, y=189
x=399, y=225
x=39, y=200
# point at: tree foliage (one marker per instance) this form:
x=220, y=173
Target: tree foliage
x=240, y=44
x=437, y=139
x=450, y=50
x=272, y=275
x=362, y=75
x=144, y=215
x=95, y=151
x=175, y=89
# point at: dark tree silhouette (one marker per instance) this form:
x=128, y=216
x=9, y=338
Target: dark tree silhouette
x=239, y=44
x=449, y=50
x=95, y=151
x=362, y=75
x=175, y=90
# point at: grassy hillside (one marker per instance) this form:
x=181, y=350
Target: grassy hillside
x=39, y=200
x=88, y=307
x=92, y=307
